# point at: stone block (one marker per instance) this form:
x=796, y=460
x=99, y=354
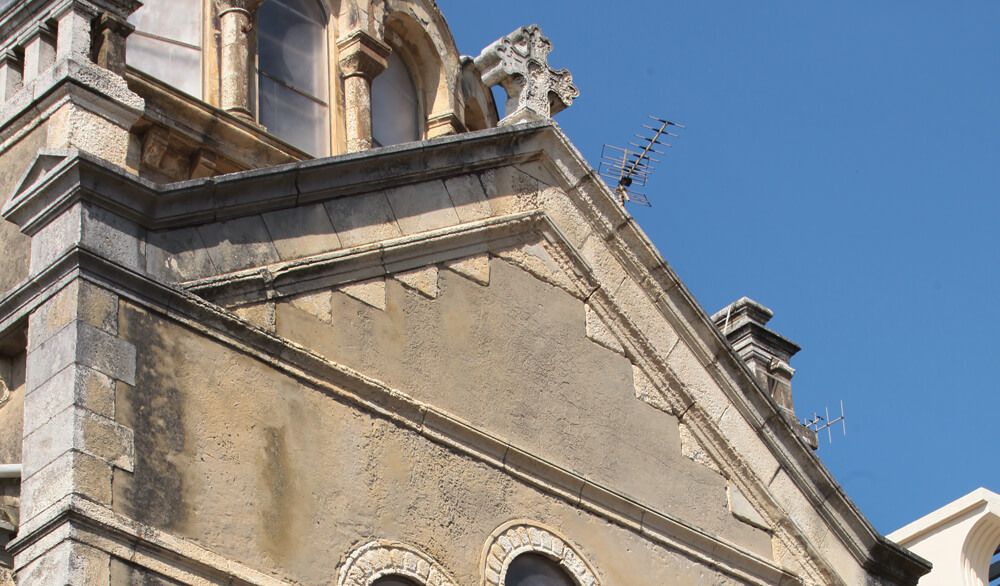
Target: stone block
x=565, y=215
x=56, y=238
x=371, y=292
x=80, y=300
x=318, y=304
x=178, y=255
x=74, y=385
x=301, y=232
x=70, y=563
x=506, y=188
x=423, y=280
x=641, y=310
x=475, y=268
x=114, y=238
x=746, y=440
x=73, y=472
x=697, y=381
x=743, y=510
x=601, y=334
x=469, y=198
x=238, y=244
x=259, y=314
x=363, y=219
x=76, y=428
x=422, y=207
x=81, y=343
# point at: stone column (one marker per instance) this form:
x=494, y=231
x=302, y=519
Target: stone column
x=362, y=57
x=39, y=51
x=74, y=35
x=11, y=75
x=110, y=35
x=236, y=18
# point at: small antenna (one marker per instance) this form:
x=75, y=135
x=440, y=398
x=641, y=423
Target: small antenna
x=818, y=423
x=624, y=169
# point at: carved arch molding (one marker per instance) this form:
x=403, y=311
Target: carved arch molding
x=521, y=537
x=378, y=559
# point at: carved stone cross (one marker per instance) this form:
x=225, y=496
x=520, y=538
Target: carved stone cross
x=519, y=63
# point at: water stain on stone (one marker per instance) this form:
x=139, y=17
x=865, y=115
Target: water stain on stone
x=155, y=492
x=276, y=514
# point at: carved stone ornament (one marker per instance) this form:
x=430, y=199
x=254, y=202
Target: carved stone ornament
x=519, y=63
x=378, y=559
x=521, y=537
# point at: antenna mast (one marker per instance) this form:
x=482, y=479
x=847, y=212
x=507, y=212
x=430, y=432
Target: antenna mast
x=626, y=168
x=818, y=423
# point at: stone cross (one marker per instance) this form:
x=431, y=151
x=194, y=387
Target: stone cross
x=519, y=63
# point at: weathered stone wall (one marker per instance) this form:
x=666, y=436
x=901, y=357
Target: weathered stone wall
x=513, y=358
x=15, y=247
x=260, y=468
x=11, y=408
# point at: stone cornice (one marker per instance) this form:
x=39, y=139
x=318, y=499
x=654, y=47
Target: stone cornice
x=76, y=177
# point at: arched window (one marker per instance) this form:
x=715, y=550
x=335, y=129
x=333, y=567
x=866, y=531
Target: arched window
x=293, y=83
x=532, y=569
x=167, y=42
x=395, y=105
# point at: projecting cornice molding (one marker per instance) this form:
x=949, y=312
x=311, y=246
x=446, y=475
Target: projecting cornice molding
x=793, y=484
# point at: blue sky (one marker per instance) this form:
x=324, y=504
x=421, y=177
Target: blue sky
x=841, y=165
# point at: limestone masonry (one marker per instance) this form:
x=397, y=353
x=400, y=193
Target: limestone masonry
x=286, y=299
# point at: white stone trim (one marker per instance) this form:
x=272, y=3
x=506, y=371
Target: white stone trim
x=381, y=558
x=520, y=537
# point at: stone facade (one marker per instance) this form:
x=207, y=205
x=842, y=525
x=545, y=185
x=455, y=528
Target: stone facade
x=224, y=362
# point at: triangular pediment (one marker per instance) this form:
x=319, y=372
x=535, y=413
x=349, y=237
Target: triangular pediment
x=43, y=165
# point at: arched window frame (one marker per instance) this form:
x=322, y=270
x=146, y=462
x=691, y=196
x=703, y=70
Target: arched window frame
x=334, y=103
x=381, y=559
x=413, y=68
x=521, y=537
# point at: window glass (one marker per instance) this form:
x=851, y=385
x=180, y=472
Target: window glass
x=392, y=581
x=535, y=570
x=394, y=105
x=167, y=42
x=293, y=79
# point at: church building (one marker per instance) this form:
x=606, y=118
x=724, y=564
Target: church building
x=286, y=299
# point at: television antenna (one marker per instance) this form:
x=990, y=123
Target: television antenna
x=624, y=169
x=818, y=423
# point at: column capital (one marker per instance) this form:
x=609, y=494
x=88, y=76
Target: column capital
x=248, y=6
x=362, y=55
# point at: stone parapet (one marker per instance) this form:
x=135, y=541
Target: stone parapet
x=50, y=74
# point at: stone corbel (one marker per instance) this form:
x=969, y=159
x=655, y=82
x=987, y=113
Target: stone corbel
x=519, y=63
x=236, y=18
x=362, y=58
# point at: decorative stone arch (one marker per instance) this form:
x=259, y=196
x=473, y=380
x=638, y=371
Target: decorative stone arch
x=381, y=558
x=978, y=549
x=521, y=537
x=420, y=34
